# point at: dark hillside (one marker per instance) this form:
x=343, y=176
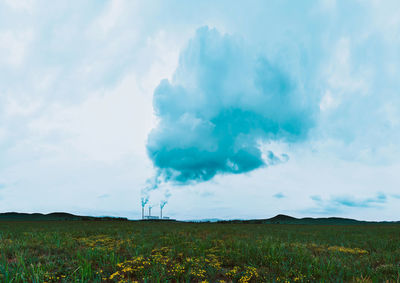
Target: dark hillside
x=285, y=219
x=54, y=216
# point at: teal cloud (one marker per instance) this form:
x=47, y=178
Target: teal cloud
x=223, y=101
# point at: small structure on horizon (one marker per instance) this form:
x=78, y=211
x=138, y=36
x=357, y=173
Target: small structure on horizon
x=153, y=217
x=149, y=217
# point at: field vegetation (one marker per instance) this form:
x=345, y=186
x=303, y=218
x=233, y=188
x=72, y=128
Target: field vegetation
x=130, y=251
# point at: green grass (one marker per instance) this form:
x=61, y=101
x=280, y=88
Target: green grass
x=79, y=251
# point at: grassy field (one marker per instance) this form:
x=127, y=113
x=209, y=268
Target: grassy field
x=112, y=251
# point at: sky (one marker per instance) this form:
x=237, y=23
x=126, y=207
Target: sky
x=223, y=109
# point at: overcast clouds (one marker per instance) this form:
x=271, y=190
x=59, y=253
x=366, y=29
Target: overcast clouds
x=76, y=105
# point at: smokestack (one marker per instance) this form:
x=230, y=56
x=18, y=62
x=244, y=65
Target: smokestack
x=149, y=210
x=144, y=201
x=162, y=204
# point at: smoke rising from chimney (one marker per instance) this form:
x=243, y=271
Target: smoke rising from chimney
x=145, y=200
x=162, y=204
x=223, y=104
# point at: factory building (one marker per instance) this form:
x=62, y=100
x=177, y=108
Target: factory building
x=150, y=217
x=153, y=217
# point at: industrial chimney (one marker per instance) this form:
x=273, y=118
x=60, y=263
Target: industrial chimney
x=149, y=211
x=162, y=204
x=144, y=201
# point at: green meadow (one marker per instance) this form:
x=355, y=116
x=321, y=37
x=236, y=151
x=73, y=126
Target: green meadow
x=136, y=251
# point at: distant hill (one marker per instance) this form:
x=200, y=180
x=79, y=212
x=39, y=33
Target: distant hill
x=285, y=219
x=278, y=219
x=55, y=216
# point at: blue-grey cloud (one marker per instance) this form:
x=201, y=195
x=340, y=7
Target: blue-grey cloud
x=338, y=204
x=316, y=198
x=367, y=202
x=279, y=195
x=222, y=102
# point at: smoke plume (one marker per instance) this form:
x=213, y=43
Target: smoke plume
x=222, y=103
x=144, y=200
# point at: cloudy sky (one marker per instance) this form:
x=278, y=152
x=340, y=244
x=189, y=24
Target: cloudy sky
x=226, y=109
